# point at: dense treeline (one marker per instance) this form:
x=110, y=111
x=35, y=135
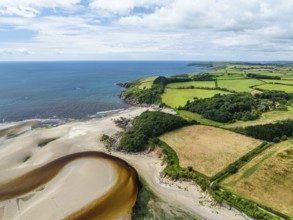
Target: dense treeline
x=134, y=95
x=183, y=78
x=203, y=77
x=239, y=106
x=258, y=76
x=227, y=108
x=147, y=126
x=271, y=132
x=180, y=76
x=275, y=96
x=161, y=80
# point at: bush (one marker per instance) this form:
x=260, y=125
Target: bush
x=284, y=138
x=150, y=125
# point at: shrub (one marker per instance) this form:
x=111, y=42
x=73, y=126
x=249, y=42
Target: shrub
x=150, y=125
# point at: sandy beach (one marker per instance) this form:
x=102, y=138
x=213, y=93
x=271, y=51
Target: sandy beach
x=21, y=154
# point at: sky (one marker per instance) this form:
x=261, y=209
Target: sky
x=220, y=30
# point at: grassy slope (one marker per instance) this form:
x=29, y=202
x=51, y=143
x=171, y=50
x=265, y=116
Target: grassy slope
x=283, y=81
x=147, y=82
x=179, y=97
x=209, y=84
x=239, y=85
x=277, y=87
x=267, y=179
x=265, y=118
x=197, y=117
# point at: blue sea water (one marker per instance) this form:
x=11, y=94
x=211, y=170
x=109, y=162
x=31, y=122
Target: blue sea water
x=72, y=89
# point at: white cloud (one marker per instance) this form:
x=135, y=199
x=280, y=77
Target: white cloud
x=24, y=51
x=170, y=29
x=15, y=51
x=6, y=51
x=30, y=8
x=214, y=14
x=57, y=51
x=123, y=7
x=20, y=11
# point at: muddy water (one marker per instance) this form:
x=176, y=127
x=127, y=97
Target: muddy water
x=119, y=199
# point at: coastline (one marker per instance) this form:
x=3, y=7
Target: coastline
x=83, y=135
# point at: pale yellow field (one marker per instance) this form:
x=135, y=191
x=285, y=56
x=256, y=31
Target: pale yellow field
x=265, y=118
x=267, y=179
x=208, y=149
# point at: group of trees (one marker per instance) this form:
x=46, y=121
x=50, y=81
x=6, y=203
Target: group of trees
x=271, y=132
x=147, y=126
x=134, y=95
x=275, y=96
x=259, y=76
x=239, y=106
x=227, y=108
x=162, y=80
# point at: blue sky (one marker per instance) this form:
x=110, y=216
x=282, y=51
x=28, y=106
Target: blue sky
x=146, y=30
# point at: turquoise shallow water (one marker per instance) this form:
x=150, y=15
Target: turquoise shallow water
x=71, y=89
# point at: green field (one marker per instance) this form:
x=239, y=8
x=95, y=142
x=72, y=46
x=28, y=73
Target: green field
x=283, y=81
x=197, y=117
x=207, y=84
x=239, y=85
x=178, y=97
x=276, y=87
x=147, y=82
x=282, y=74
x=265, y=118
x=227, y=77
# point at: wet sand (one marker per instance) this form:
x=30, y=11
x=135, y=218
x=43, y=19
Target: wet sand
x=70, y=188
x=117, y=185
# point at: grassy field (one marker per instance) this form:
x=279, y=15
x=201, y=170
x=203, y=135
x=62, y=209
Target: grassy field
x=208, y=84
x=267, y=179
x=239, y=85
x=265, y=118
x=283, y=81
x=197, y=117
x=208, y=149
x=179, y=97
x=282, y=74
x=276, y=87
x=147, y=82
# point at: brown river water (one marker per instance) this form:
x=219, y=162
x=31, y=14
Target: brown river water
x=119, y=199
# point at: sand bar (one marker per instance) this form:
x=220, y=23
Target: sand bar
x=80, y=136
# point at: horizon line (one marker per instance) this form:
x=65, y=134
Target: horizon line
x=163, y=60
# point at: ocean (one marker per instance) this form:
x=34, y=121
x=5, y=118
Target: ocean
x=72, y=90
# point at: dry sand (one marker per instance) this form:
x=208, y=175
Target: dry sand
x=71, y=189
